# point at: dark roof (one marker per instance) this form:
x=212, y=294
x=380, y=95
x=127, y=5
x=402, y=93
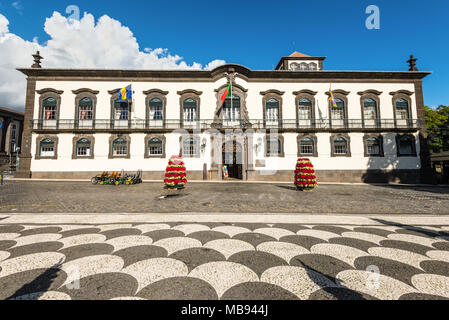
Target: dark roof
x=201, y=75
x=11, y=111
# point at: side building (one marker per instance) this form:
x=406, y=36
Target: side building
x=11, y=127
x=372, y=131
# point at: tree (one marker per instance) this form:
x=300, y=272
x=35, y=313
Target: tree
x=305, y=179
x=175, y=174
x=437, y=121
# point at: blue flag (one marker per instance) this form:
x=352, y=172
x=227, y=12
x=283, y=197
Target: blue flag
x=125, y=94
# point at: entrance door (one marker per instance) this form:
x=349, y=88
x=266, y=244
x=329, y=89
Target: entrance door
x=233, y=160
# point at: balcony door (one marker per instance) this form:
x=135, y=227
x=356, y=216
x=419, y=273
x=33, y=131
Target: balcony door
x=232, y=112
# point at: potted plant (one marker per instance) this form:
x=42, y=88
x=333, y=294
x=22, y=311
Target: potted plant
x=305, y=178
x=175, y=174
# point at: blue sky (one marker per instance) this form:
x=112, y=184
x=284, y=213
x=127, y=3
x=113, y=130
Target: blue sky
x=257, y=33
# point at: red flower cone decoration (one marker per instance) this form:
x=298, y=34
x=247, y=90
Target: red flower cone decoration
x=175, y=174
x=305, y=178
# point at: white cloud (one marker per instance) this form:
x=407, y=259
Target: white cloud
x=86, y=43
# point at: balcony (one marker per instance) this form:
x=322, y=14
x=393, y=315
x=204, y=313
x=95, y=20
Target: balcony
x=294, y=125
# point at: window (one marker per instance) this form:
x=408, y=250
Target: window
x=402, y=109
x=190, y=148
x=313, y=67
x=121, y=109
x=406, y=145
x=47, y=148
x=340, y=146
x=303, y=66
x=120, y=147
x=50, y=109
x=274, y=147
x=190, y=110
x=307, y=146
x=272, y=110
x=231, y=110
x=86, y=109
x=305, y=109
x=156, y=109
x=83, y=148
x=373, y=147
x=369, y=109
x=14, y=132
x=155, y=147
x=294, y=66
x=338, y=113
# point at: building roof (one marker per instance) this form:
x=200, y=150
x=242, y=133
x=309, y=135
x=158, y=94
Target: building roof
x=297, y=54
x=217, y=73
x=11, y=111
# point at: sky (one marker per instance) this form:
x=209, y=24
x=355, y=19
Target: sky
x=205, y=34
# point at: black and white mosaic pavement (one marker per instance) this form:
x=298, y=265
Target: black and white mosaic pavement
x=214, y=260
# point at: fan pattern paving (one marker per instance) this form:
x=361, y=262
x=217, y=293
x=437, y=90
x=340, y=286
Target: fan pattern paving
x=210, y=261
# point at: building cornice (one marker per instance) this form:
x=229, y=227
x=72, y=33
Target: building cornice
x=211, y=76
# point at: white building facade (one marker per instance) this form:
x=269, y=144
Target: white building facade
x=75, y=127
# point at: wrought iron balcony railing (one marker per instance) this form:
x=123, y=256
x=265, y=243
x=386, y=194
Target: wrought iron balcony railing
x=137, y=124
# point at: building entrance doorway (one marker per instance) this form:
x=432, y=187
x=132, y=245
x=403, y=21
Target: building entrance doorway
x=232, y=160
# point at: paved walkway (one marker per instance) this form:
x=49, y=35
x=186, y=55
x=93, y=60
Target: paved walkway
x=82, y=197
x=210, y=257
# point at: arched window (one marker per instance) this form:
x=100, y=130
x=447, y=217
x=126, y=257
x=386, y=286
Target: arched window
x=307, y=146
x=373, y=147
x=121, y=110
x=303, y=66
x=313, y=66
x=274, y=147
x=402, y=109
x=47, y=148
x=406, y=145
x=305, y=109
x=85, y=109
x=50, y=109
x=231, y=109
x=83, y=148
x=156, y=109
x=120, y=147
x=190, y=110
x=294, y=66
x=190, y=147
x=340, y=146
x=272, y=110
x=338, y=113
x=369, y=109
x=155, y=147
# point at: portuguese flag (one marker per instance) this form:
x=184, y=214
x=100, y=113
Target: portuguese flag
x=226, y=94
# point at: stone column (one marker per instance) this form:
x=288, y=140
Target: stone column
x=26, y=155
x=427, y=175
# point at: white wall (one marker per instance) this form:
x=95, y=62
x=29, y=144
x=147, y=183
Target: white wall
x=208, y=107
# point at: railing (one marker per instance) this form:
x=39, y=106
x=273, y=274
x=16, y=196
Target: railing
x=326, y=124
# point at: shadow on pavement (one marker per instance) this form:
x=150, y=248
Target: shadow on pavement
x=419, y=230
x=38, y=286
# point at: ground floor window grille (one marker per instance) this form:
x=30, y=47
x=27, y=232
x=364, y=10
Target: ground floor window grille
x=274, y=147
x=373, y=147
x=307, y=146
x=83, y=148
x=155, y=147
x=406, y=146
x=190, y=148
x=47, y=148
x=340, y=146
x=120, y=147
